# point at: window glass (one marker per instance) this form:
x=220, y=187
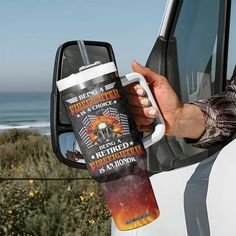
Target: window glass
x=196, y=39
x=194, y=45
x=232, y=40
x=196, y=42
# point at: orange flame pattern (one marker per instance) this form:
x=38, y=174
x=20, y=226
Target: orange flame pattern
x=131, y=201
x=110, y=120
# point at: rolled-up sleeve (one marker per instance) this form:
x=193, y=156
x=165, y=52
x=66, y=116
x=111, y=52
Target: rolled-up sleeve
x=220, y=115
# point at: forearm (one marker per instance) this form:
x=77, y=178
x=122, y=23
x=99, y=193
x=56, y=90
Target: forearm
x=189, y=122
x=220, y=113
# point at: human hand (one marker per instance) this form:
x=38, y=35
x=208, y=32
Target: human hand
x=184, y=120
x=166, y=97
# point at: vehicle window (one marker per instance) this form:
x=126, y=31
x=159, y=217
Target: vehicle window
x=232, y=40
x=196, y=44
x=196, y=34
x=193, y=43
x=196, y=41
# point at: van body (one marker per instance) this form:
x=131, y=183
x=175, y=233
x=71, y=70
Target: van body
x=194, y=188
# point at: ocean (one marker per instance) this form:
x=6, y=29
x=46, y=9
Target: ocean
x=25, y=110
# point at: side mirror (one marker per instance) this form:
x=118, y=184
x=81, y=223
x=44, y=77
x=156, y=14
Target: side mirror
x=68, y=61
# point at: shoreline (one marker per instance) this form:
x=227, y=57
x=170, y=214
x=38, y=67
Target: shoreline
x=45, y=131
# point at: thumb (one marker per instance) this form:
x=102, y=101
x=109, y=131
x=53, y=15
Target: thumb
x=151, y=76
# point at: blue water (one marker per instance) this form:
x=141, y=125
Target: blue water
x=25, y=110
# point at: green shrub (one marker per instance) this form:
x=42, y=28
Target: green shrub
x=46, y=207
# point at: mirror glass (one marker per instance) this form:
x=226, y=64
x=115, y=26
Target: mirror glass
x=69, y=147
x=72, y=61
x=68, y=61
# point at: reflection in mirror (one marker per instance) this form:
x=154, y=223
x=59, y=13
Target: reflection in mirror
x=72, y=61
x=69, y=147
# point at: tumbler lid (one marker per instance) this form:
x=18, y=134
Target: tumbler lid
x=86, y=75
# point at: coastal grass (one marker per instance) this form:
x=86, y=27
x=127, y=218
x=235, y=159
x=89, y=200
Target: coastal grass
x=40, y=207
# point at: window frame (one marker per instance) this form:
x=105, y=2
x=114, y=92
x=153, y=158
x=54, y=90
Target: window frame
x=222, y=46
x=228, y=76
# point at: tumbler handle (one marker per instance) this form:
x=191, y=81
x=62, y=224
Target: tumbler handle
x=159, y=123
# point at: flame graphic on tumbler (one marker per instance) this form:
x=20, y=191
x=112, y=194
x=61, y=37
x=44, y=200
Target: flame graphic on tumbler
x=131, y=201
x=105, y=128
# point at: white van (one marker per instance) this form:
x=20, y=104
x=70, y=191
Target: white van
x=196, y=51
x=194, y=188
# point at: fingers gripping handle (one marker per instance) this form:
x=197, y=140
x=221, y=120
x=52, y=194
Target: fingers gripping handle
x=159, y=129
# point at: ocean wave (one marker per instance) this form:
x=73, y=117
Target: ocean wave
x=40, y=125
x=6, y=127
x=36, y=125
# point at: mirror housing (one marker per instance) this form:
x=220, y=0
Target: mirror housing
x=68, y=61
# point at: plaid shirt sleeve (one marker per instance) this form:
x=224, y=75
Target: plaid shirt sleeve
x=220, y=115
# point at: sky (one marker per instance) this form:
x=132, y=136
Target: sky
x=31, y=32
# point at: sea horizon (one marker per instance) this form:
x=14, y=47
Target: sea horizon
x=25, y=91
x=28, y=110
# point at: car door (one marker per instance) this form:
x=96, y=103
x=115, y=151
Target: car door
x=191, y=51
